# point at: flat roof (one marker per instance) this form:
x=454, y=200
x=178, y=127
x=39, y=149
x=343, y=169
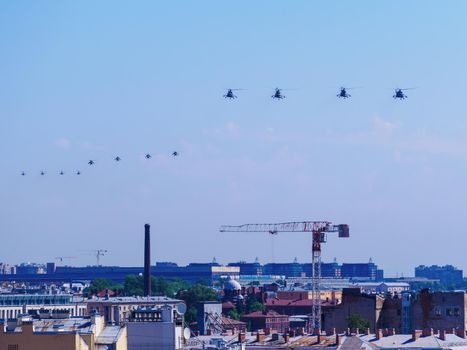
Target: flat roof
x=136, y=300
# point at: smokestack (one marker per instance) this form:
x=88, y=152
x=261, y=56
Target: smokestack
x=147, y=260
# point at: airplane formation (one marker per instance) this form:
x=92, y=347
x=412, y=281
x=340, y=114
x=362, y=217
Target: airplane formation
x=92, y=162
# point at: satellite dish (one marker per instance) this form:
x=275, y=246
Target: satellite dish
x=180, y=308
x=186, y=333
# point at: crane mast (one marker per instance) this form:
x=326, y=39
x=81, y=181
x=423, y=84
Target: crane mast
x=319, y=229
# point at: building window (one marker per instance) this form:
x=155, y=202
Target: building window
x=448, y=311
x=437, y=311
x=12, y=347
x=457, y=311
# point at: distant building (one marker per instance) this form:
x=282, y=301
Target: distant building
x=30, y=268
x=328, y=270
x=6, y=269
x=251, y=269
x=287, y=269
x=192, y=273
x=445, y=274
x=383, y=287
x=331, y=296
x=364, y=271
x=266, y=320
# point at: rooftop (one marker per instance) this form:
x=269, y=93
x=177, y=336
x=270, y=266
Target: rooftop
x=367, y=342
x=398, y=341
x=109, y=335
x=68, y=325
x=135, y=300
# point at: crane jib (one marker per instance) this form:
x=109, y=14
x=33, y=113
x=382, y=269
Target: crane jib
x=301, y=226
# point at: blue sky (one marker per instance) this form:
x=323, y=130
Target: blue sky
x=84, y=80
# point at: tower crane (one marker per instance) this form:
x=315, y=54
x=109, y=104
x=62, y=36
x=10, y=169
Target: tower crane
x=61, y=258
x=319, y=231
x=98, y=253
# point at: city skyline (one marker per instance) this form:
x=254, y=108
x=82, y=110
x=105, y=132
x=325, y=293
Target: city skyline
x=92, y=81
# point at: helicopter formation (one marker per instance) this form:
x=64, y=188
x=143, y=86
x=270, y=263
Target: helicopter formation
x=92, y=162
x=343, y=93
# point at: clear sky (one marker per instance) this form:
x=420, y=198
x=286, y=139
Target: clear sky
x=84, y=80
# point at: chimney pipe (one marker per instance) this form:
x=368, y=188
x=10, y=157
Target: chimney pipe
x=147, y=260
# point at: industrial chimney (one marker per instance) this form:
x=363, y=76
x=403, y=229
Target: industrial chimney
x=147, y=260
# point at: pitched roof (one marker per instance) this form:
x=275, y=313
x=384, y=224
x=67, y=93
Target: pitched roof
x=227, y=321
x=258, y=314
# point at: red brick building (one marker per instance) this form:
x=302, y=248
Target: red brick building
x=266, y=319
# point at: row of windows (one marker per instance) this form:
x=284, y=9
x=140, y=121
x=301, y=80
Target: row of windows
x=449, y=311
x=9, y=313
x=276, y=319
x=14, y=313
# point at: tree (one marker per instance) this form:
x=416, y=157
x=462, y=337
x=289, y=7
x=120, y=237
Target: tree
x=256, y=306
x=134, y=285
x=193, y=295
x=355, y=321
x=233, y=314
x=174, y=286
x=253, y=304
x=100, y=284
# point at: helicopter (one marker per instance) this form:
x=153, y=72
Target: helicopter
x=78, y=172
x=42, y=173
x=91, y=162
x=175, y=154
x=399, y=93
x=343, y=93
x=117, y=159
x=23, y=173
x=148, y=156
x=278, y=94
x=61, y=173
x=230, y=93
